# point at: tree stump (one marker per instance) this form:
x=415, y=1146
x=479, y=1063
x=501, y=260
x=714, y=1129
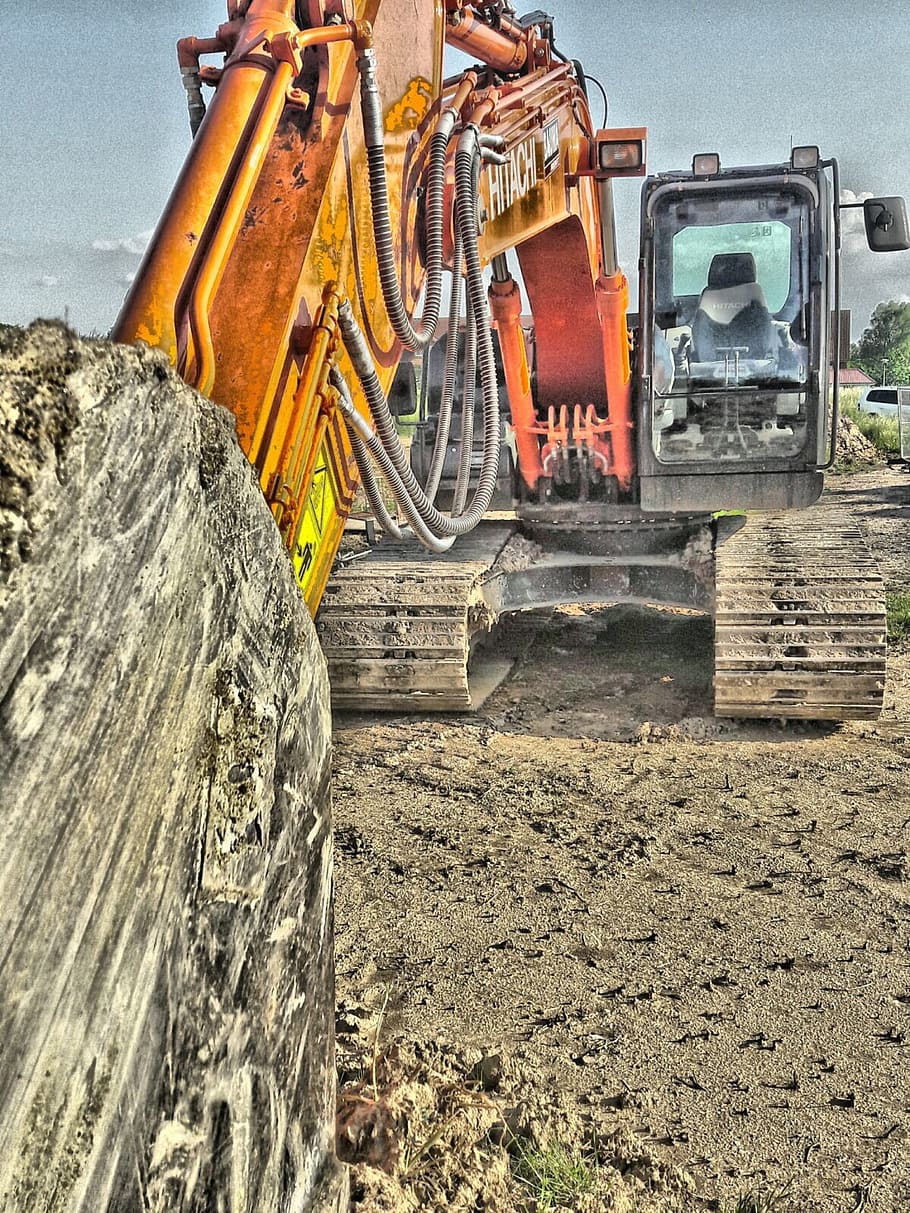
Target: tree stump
x=166, y=978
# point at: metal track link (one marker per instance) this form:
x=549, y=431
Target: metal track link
x=397, y=625
x=800, y=620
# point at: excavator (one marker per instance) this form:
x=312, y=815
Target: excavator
x=565, y=449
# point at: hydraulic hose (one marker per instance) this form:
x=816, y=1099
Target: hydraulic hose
x=469, y=380
x=444, y=421
x=439, y=524
x=488, y=145
x=360, y=431
x=364, y=463
x=470, y=149
x=411, y=337
x=469, y=385
x=432, y=526
x=195, y=102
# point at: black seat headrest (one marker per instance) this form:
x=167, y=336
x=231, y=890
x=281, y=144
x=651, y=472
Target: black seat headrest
x=731, y=269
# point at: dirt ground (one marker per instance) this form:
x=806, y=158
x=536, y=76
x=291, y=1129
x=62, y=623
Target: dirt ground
x=593, y=913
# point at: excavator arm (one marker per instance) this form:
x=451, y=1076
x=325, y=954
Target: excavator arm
x=333, y=177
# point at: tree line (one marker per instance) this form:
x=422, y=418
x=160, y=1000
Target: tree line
x=883, y=351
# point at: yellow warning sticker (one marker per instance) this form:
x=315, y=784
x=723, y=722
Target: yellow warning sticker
x=315, y=521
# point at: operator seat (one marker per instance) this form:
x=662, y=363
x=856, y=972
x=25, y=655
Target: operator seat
x=732, y=312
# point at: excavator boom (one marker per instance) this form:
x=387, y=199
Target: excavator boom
x=268, y=230
x=281, y=220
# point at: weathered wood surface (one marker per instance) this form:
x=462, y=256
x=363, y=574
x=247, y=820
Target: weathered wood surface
x=165, y=850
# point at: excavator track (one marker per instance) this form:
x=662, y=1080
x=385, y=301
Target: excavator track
x=800, y=620
x=398, y=626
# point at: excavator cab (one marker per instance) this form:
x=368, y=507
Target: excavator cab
x=739, y=282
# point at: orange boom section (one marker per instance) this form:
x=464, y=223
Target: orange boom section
x=545, y=201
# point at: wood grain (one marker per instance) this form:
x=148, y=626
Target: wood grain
x=166, y=983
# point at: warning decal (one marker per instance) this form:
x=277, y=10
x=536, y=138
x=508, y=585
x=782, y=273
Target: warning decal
x=314, y=522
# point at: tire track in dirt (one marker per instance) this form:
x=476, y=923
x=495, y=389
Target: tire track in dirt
x=696, y=930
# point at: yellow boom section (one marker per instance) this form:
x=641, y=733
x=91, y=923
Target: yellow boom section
x=269, y=227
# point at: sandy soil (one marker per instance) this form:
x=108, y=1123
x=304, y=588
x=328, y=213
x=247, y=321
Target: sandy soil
x=685, y=938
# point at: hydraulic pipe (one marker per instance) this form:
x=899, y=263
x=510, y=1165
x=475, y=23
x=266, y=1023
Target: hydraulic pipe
x=226, y=153
x=506, y=49
x=444, y=421
x=505, y=304
x=201, y=372
x=200, y=367
x=465, y=87
x=516, y=93
x=300, y=447
x=190, y=50
x=175, y=243
x=612, y=295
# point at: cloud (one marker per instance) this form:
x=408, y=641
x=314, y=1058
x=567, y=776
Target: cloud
x=134, y=245
x=47, y=280
x=847, y=198
x=852, y=223
x=126, y=278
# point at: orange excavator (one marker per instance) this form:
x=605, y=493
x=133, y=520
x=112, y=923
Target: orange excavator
x=338, y=181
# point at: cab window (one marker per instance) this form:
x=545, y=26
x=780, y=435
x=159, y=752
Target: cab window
x=730, y=348
x=694, y=248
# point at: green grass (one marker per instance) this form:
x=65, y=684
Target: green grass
x=881, y=431
x=553, y=1176
x=898, y=611
x=758, y=1201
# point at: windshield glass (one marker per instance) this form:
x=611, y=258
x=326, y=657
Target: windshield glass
x=694, y=248
x=730, y=346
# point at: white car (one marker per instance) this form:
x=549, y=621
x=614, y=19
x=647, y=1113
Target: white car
x=879, y=401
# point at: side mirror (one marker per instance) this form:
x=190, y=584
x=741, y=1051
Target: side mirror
x=887, y=230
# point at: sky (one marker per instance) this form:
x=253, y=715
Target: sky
x=94, y=122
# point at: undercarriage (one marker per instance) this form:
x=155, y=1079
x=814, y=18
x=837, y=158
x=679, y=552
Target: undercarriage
x=797, y=604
